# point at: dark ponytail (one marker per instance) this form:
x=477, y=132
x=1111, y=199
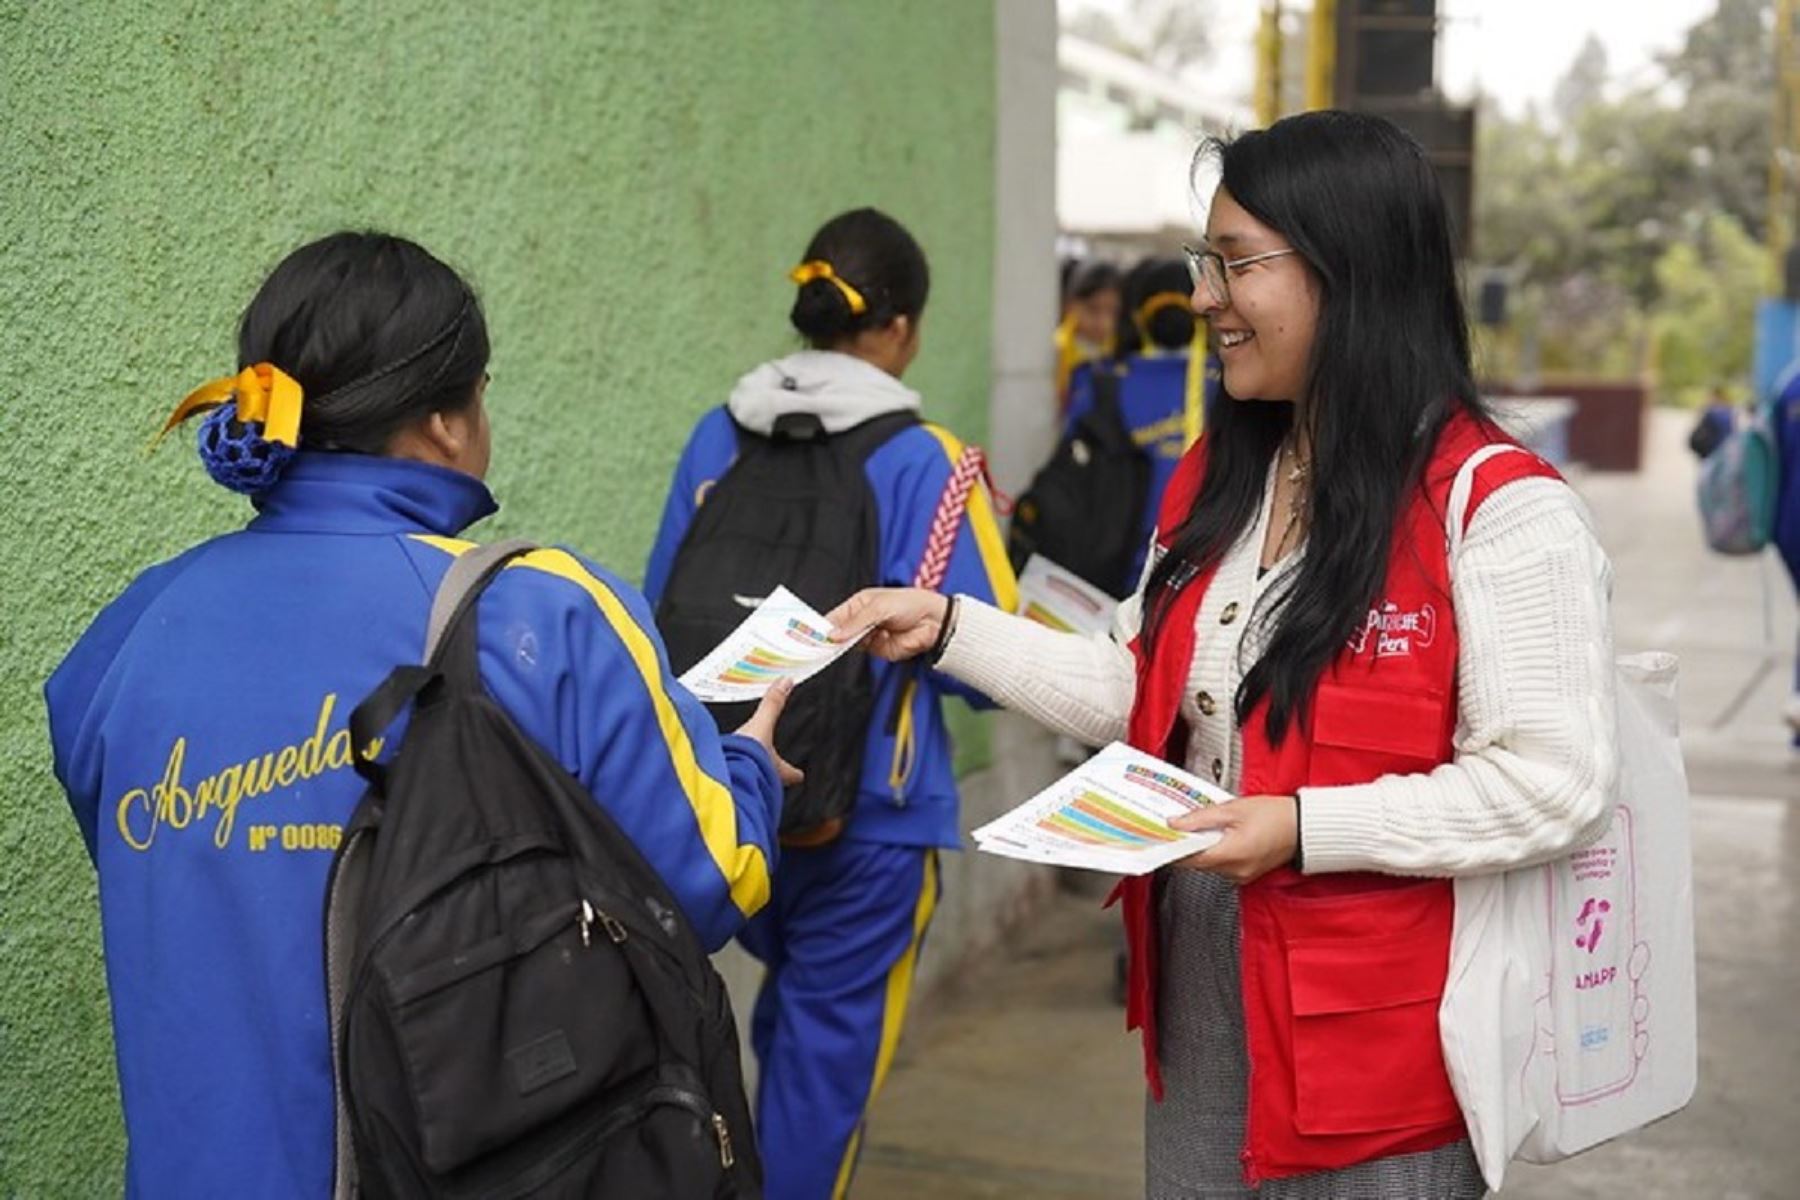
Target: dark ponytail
x=871, y=255
x=377, y=332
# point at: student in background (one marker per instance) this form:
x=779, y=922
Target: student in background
x=208, y=705
x=1092, y=301
x=1151, y=384
x=1784, y=427
x=841, y=937
x=1716, y=422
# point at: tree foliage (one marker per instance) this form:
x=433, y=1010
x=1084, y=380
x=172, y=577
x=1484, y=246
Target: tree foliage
x=1706, y=307
x=1169, y=35
x=1618, y=207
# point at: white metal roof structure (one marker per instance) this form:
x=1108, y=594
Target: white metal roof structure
x=1125, y=143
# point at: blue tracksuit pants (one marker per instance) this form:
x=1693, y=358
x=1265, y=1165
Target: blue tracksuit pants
x=840, y=938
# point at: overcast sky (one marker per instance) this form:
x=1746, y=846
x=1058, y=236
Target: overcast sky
x=1514, y=50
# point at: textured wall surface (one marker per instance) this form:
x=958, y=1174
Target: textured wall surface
x=626, y=182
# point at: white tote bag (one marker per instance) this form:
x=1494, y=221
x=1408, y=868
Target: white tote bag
x=1568, y=1015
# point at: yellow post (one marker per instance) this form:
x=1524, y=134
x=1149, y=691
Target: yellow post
x=1321, y=54
x=1268, y=66
x=1193, y=400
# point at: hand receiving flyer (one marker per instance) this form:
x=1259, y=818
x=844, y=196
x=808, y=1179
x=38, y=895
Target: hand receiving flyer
x=1109, y=814
x=784, y=638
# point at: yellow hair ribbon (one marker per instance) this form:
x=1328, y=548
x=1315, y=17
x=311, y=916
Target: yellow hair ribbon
x=263, y=392
x=818, y=268
x=1155, y=304
x=1072, y=353
x=1068, y=356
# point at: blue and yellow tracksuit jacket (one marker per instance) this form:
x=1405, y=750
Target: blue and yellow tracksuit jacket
x=908, y=794
x=1152, y=397
x=199, y=728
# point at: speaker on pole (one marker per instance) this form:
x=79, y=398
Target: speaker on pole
x=1490, y=301
x=1387, y=57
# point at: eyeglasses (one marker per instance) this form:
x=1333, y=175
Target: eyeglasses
x=1208, y=267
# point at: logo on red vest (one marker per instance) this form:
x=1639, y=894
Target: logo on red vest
x=1396, y=632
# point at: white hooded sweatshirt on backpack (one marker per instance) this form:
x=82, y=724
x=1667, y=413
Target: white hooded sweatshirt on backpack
x=841, y=390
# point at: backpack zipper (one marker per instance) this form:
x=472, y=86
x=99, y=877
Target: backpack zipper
x=722, y=1131
x=697, y=1104
x=618, y=1119
x=589, y=915
x=692, y=1101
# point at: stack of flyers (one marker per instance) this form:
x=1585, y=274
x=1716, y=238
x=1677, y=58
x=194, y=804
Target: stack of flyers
x=1057, y=597
x=784, y=638
x=1109, y=814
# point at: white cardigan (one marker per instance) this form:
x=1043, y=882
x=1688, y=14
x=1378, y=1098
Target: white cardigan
x=1536, y=742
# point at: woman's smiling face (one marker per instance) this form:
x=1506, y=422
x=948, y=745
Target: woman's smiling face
x=1266, y=326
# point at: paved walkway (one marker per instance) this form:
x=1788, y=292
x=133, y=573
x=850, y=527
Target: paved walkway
x=1023, y=1084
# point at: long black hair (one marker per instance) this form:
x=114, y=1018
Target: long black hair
x=876, y=256
x=1389, y=365
x=377, y=332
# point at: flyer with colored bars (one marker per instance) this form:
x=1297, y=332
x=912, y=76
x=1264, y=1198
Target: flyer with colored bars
x=1056, y=596
x=784, y=637
x=1109, y=814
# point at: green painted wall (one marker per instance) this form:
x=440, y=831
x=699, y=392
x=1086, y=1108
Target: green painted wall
x=626, y=182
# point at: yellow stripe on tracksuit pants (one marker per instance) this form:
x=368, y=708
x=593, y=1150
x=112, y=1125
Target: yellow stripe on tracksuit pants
x=841, y=939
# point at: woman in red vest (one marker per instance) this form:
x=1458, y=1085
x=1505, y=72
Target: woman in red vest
x=1387, y=718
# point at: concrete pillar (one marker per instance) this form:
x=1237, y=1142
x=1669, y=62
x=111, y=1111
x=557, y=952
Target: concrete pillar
x=1022, y=412
x=984, y=895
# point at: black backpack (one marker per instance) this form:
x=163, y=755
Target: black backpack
x=794, y=510
x=1085, y=508
x=518, y=1006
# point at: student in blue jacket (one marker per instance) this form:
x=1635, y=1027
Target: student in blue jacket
x=199, y=725
x=1784, y=426
x=1152, y=384
x=841, y=937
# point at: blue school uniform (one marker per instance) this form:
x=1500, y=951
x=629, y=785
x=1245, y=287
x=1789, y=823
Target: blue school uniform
x=1153, y=400
x=1784, y=426
x=842, y=937
x=200, y=730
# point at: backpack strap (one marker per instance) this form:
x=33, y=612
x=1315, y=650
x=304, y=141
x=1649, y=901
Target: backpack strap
x=1108, y=411
x=865, y=438
x=462, y=584
x=1106, y=396
x=465, y=579
x=1473, y=485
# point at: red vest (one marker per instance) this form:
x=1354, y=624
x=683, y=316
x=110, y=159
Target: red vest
x=1342, y=973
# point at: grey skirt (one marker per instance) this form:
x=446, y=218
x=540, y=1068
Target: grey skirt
x=1193, y=1138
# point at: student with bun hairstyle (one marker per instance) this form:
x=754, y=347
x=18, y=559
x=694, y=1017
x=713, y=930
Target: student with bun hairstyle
x=841, y=938
x=1092, y=296
x=1151, y=378
x=200, y=724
